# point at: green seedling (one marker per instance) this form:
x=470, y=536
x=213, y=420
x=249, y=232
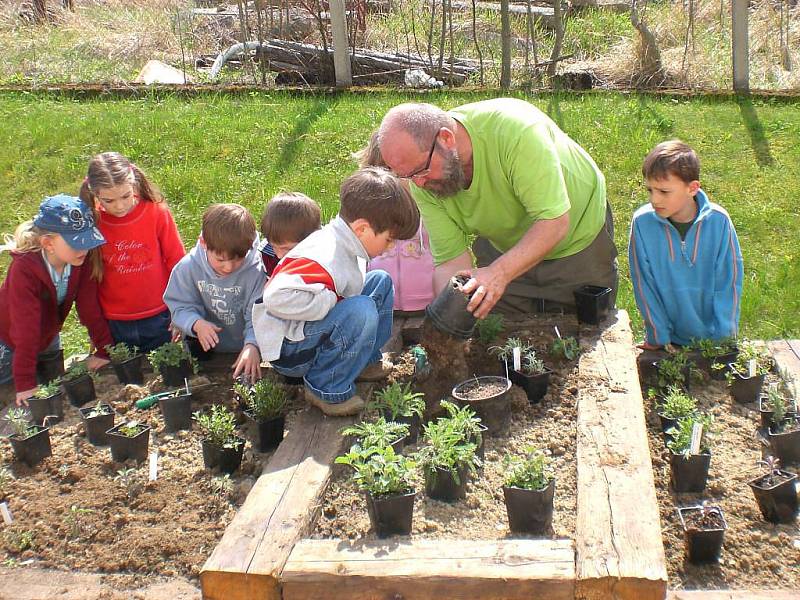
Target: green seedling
x=380, y=471
x=18, y=418
x=489, y=328
x=397, y=400
x=121, y=352
x=567, y=348
x=533, y=471
x=219, y=426
x=265, y=399
x=51, y=388
x=171, y=355
x=680, y=441
x=377, y=434
x=677, y=405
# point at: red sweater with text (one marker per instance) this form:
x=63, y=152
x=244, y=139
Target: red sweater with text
x=30, y=316
x=140, y=250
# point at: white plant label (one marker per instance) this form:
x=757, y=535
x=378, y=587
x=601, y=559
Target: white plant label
x=697, y=434
x=153, y=466
x=751, y=367
x=558, y=334
x=7, y=518
x=517, y=359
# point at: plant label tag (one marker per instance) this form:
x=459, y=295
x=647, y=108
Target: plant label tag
x=697, y=433
x=751, y=367
x=7, y=518
x=558, y=334
x=153, y=466
x=517, y=359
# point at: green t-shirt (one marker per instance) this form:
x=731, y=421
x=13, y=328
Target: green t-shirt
x=525, y=169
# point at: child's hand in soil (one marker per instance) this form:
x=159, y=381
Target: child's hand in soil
x=248, y=363
x=206, y=333
x=95, y=362
x=22, y=397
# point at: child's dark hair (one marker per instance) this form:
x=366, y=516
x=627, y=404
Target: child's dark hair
x=672, y=158
x=374, y=194
x=106, y=170
x=290, y=217
x=229, y=229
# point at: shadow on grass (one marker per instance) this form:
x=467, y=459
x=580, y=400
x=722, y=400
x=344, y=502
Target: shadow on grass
x=757, y=138
x=664, y=125
x=554, y=110
x=294, y=142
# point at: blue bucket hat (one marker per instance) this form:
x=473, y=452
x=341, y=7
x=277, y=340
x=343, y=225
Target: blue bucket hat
x=69, y=217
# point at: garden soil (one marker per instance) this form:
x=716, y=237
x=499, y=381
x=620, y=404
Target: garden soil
x=550, y=425
x=76, y=510
x=755, y=554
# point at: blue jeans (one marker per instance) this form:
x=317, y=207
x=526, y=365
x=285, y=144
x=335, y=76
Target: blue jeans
x=146, y=334
x=337, y=348
x=7, y=358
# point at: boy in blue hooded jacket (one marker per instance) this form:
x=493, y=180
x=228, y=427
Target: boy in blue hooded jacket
x=684, y=256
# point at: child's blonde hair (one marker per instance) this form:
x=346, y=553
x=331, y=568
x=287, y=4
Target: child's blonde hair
x=27, y=238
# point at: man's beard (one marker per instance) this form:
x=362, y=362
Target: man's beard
x=453, y=179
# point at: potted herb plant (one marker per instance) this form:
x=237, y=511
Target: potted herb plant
x=176, y=408
x=127, y=363
x=396, y=402
x=129, y=440
x=31, y=443
x=775, y=492
x=592, y=303
x=489, y=328
x=221, y=446
x=47, y=401
x=674, y=370
x=784, y=432
x=688, y=470
x=379, y=433
x=532, y=376
x=265, y=406
x=566, y=348
x=79, y=384
x=447, y=460
x=747, y=373
x=706, y=353
x=174, y=362
x=464, y=421
x=387, y=480
x=675, y=406
x=528, y=491
x=488, y=397
x=767, y=403
x=448, y=311
x=704, y=531
x=98, y=420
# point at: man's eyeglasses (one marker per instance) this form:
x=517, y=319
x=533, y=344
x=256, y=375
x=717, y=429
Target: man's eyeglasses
x=427, y=166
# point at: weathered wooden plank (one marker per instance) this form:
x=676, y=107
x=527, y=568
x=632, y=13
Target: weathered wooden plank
x=430, y=570
x=787, y=361
x=734, y=595
x=277, y=513
x=619, y=551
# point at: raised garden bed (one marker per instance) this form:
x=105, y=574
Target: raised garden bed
x=79, y=510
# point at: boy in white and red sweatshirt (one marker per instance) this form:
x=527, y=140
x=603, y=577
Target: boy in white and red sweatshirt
x=320, y=317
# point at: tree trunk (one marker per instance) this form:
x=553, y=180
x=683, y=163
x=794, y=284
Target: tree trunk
x=651, y=55
x=505, y=73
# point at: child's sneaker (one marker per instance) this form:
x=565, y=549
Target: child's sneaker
x=377, y=371
x=351, y=406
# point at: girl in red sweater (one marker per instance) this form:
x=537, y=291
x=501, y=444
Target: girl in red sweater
x=142, y=246
x=46, y=275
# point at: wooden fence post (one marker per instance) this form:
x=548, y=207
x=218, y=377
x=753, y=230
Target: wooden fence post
x=741, y=46
x=341, y=46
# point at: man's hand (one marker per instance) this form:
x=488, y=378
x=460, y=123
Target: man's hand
x=487, y=285
x=206, y=333
x=95, y=362
x=22, y=397
x=248, y=363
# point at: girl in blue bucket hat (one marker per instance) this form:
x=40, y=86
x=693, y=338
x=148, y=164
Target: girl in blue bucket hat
x=48, y=273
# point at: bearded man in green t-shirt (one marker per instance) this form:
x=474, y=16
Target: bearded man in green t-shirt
x=502, y=172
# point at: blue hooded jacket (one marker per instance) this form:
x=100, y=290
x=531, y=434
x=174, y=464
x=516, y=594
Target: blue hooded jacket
x=686, y=289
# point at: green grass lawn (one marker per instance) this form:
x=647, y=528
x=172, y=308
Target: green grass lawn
x=221, y=148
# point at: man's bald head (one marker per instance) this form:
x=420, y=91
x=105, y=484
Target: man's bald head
x=417, y=120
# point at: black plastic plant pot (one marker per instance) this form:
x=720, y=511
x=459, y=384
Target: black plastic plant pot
x=785, y=444
x=196, y=350
x=776, y=496
x=52, y=406
x=391, y=515
x=530, y=511
x=666, y=424
x=765, y=413
x=292, y=380
x=80, y=390
x=494, y=409
x=176, y=376
x=723, y=359
x=448, y=311
x=129, y=371
x=33, y=449
x=535, y=386
x=177, y=411
x=270, y=432
x=227, y=459
x=440, y=484
x=703, y=542
x=689, y=474
x=745, y=389
x=97, y=426
x=591, y=303
x=124, y=448
x=50, y=368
